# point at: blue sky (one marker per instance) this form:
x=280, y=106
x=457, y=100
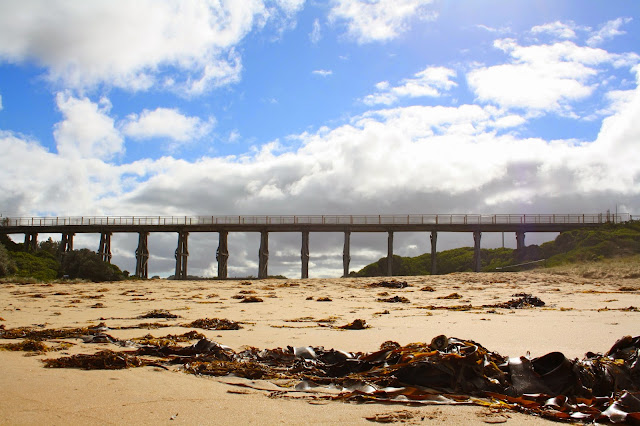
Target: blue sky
x=310, y=107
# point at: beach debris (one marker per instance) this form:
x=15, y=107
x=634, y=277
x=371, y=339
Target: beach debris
x=524, y=300
x=626, y=288
x=158, y=313
x=448, y=370
x=324, y=299
x=251, y=299
x=27, y=345
x=246, y=283
x=357, y=324
x=451, y=296
x=395, y=299
x=390, y=284
x=309, y=298
x=103, y=360
x=427, y=288
x=50, y=333
x=214, y=324
x=169, y=339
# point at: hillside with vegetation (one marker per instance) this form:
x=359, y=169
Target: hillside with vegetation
x=48, y=264
x=580, y=245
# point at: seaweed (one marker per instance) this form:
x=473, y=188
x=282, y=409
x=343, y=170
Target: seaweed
x=158, y=313
x=103, y=360
x=524, y=300
x=451, y=296
x=251, y=299
x=324, y=299
x=446, y=370
x=390, y=284
x=358, y=324
x=214, y=324
x=395, y=299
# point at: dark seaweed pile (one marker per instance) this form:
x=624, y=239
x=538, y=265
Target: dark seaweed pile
x=600, y=387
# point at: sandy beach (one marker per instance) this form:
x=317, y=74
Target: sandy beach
x=582, y=312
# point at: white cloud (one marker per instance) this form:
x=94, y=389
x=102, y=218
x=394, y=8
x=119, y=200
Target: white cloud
x=87, y=130
x=431, y=82
x=130, y=44
x=557, y=29
x=378, y=20
x=315, y=34
x=608, y=31
x=166, y=123
x=322, y=73
x=541, y=78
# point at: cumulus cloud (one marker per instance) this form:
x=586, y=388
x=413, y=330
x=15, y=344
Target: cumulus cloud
x=185, y=46
x=166, y=123
x=378, y=20
x=87, y=130
x=431, y=82
x=608, y=31
x=542, y=78
x=557, y=29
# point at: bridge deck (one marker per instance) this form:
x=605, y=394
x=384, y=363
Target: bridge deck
x=311, y=223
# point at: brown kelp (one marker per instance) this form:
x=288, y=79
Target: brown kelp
x=602, y=387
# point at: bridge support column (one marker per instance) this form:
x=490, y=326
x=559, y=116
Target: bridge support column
x=304, y=254
x=31, y=242
x=222, y=254
x=182, y=253
x=346, y=254
x=263, y=255
x=476, y=251
x=66, y=244
x=142, y=256
x=434, y=240
x=390, y=254
x=520, y=240
x=105, y=247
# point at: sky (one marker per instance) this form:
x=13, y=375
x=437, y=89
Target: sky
x=294, y=107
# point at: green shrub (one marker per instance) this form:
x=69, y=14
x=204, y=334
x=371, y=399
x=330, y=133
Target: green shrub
x=87, y=264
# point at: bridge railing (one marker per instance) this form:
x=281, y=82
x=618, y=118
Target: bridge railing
x=416, y=219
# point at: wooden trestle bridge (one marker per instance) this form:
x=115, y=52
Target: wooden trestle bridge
x=223, y=225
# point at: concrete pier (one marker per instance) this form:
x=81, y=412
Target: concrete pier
x=346, y=254
x=104, y=250
x=66, y=243
x=304, y=254
x=390, y=254
x=263, y=254
x=434, y=240
x=182, y=254
x=520, y=240
x=142, y=256
x=476, y=250
x=31, y=242
x=222, y=254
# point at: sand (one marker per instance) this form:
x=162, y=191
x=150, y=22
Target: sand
x=581, y=314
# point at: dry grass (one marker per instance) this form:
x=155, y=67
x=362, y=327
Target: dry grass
x=622, y=268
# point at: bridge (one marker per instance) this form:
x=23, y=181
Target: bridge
x=519, y=224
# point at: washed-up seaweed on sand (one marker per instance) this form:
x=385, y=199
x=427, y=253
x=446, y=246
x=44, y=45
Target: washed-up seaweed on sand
x=600, y=387
x=214, y=324
x=390, y=284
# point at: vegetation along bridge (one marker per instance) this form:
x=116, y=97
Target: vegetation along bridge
x=476, y=224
